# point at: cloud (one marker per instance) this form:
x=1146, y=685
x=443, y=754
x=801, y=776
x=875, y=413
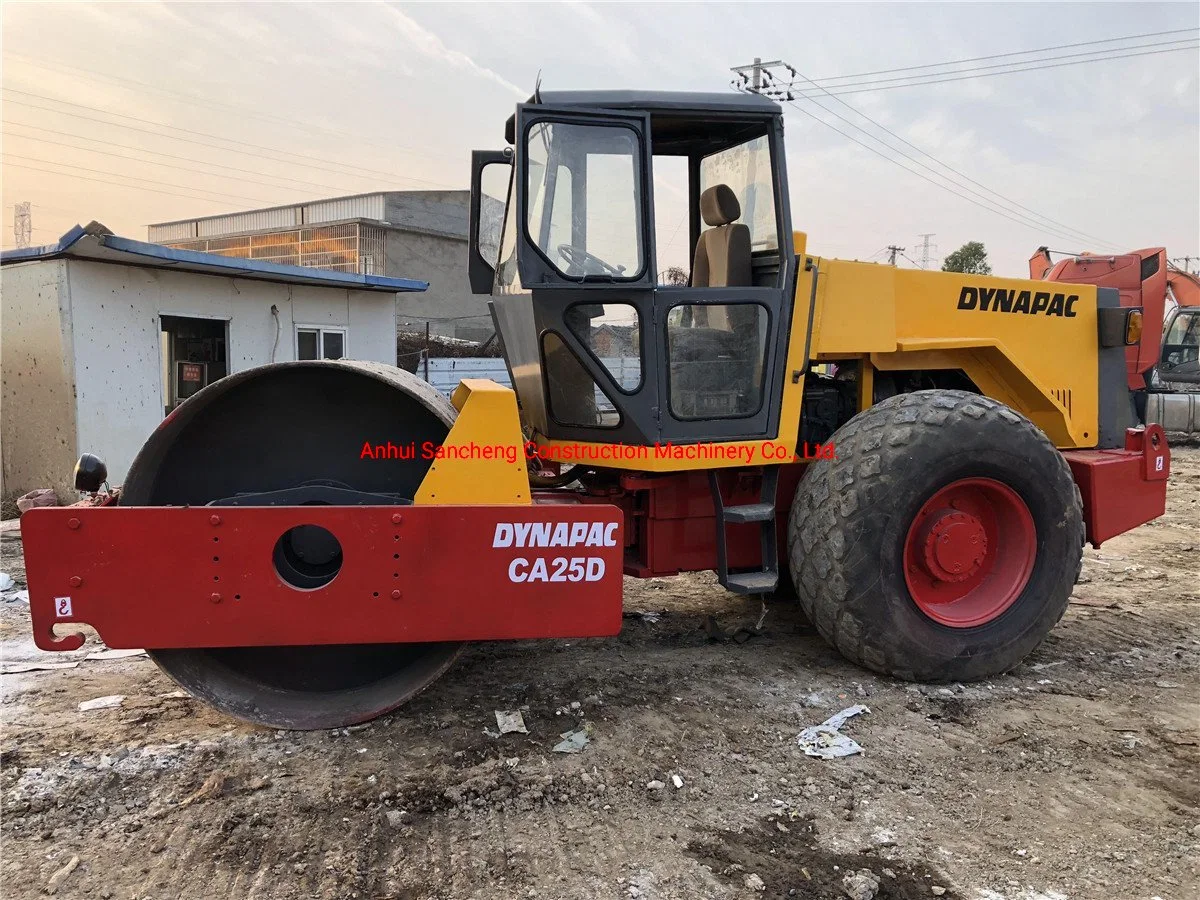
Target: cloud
x=429, y=44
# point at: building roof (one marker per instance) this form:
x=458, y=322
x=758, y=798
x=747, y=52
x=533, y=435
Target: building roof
x=97, y=244
x=442, y=213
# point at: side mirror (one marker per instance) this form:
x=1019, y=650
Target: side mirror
x=491, y=171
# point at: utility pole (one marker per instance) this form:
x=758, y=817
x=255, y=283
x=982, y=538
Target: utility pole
x=22, y=224
x=754, y=81
x=892, y=251
x=1187, y=262
x=925, y=248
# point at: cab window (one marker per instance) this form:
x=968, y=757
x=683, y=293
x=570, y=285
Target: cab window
x=584, y=197
x=746, y=169
x=717, y=353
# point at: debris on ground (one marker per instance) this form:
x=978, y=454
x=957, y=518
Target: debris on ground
x=754, y=883
x=648, y=616
x=15, y=597
x=6, y=581
x=112, y=700
x=739, y=635
x=61, y=875
x=826, y=740
x=677, y=781
x=106, y=653
x=655, y=785
x=34, y=499
x=509, y=721
x=16, y=668
x=861, y=885
x=572, y=741
x=214, y=786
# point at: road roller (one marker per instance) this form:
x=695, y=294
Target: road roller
x=915, y=458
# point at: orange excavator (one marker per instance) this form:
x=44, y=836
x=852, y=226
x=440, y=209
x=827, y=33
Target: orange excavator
x=1163, y=368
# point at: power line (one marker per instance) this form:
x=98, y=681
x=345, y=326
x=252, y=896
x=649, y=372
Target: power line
x=1004, y=201
x=368, y=173
x=111, y=183
x=295, y=181
x=1094, y=54
x=990, y=206
x=141, y=86
x=782, y=92
x=938, y=184
x=199, y=190
x=955, y=62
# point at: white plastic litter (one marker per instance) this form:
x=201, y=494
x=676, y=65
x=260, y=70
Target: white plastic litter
x=511, y=721
x=826, y=740
x=102, y=702
x=106, y=653
x=572, y=741
x=6, y=581
x=16, y=668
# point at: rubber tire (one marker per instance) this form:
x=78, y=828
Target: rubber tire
x=850, y=517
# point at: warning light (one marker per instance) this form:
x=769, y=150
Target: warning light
x=1133, y=326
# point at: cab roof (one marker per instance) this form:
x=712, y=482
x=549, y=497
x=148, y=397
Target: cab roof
x=680, y=120
x=651, y=101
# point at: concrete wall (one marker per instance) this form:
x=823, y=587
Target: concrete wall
x=444, y=211
x=115, y=310
x=449, y=306
x=37, y=404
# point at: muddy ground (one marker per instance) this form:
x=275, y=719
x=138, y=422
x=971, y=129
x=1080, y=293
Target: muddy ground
x=1074, y=777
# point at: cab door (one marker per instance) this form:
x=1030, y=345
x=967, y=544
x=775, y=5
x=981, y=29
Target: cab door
x=585, y=259
x=723, y=347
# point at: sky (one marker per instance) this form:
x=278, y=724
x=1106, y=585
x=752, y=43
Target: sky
x=137, y=113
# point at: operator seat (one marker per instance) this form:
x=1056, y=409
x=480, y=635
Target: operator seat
x=723, y=252
x=716, y=360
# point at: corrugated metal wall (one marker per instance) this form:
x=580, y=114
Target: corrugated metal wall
x=257, y=220
x=369, y=206
x=174, y=231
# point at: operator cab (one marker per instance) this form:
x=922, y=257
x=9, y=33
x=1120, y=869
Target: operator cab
x=618, y=325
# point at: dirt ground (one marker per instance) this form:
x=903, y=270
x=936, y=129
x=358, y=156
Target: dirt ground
x=1073, y=777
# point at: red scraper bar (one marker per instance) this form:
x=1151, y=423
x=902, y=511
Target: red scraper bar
x=171, y=577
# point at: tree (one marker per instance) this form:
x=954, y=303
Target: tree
x=970, y=259
x=675, y=275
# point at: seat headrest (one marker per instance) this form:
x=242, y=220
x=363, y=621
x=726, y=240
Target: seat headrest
x=719, y=205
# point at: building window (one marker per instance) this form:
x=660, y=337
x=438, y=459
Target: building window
x=320, y=343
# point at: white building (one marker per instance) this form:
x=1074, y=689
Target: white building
x=103, y=335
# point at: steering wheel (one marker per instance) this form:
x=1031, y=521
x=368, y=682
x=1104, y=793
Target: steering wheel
x=587, y=263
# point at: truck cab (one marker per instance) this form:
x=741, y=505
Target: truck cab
x=606, y=190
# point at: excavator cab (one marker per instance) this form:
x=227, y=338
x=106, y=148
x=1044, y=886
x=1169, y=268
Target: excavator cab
x=600, y=184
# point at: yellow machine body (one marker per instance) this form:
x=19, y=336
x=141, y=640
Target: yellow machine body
x=1043, y=364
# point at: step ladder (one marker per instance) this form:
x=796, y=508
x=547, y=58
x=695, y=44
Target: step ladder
x=766, y=580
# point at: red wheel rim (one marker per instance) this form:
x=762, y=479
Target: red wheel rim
x=969, y=552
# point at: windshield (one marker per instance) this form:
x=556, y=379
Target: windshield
x=584, y=197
